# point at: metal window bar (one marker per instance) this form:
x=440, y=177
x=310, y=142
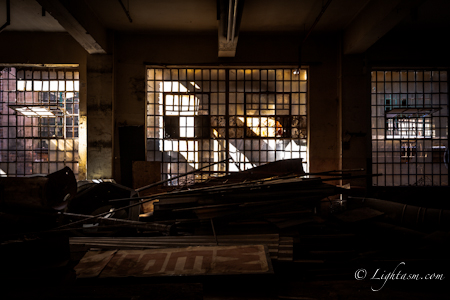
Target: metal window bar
x=409, y=127
x=46, y=144
x=226, y=120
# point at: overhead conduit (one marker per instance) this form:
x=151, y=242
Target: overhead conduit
x=232, y=16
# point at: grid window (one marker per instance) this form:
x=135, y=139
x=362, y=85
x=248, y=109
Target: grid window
x=410, y=127
x=196, y=117
x=39, y=113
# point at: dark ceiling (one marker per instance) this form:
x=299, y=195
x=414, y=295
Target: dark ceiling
x=361, y=22
x=192, y=15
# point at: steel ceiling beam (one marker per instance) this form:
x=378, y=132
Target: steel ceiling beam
x=71, y=24
x=375, y=20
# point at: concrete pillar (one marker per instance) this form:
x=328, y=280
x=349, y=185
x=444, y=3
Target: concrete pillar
x=324, y=115
x=100, y=120
x=355, y=115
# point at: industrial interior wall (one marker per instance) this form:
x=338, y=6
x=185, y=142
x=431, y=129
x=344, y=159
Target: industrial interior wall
x=134, y=52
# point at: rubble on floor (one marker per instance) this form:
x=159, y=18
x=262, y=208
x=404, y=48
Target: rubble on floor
x=313, y=232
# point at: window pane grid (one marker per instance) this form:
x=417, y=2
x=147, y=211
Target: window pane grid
x=196, y=117
x=410, y=127
x=38, y=120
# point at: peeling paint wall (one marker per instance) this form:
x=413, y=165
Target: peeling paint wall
x=100, y=116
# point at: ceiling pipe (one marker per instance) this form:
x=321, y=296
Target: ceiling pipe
x=8, y=16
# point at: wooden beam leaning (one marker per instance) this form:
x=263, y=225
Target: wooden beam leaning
x=374, y=21
x=72, y=25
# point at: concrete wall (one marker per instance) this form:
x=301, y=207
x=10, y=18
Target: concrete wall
x=99, y=102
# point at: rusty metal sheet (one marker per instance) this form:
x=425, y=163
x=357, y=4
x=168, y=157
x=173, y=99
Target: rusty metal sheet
x=248, y=259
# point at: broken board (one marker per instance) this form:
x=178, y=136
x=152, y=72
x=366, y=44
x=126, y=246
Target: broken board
x=247, y=259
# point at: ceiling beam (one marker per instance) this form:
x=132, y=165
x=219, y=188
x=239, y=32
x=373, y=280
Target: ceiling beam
x=374, y=21
x=230, y=14
x=78, y=31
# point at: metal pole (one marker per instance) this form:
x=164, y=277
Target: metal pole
x=176, y=177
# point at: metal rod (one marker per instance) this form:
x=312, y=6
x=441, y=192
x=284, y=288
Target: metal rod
x=309, y=32
x=126, y=11
x=333, y=171
x=155, y=196
x=176, y=177
x=350, y=177
x=150, y=198
x=214, y=232
x=102, y=214
x=317, y=20
x=147, y=199
x=149, y=225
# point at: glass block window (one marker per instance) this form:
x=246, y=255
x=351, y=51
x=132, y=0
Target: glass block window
x=410, y=127
x=39, y=110
x=200, y=116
